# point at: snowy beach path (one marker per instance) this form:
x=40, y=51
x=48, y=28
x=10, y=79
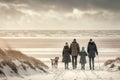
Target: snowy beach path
x=61, y=74
x=77, y=74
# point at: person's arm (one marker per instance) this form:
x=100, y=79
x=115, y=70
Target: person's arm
x=96, y=50
x=63, y=52
x=78, y=48
x=69, y=51
x=70, y=48
x=85, y=53
x=88, y=48
x=79, y=53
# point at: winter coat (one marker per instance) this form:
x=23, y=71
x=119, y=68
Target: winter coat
x=66, y=54
x=74, y=49
x=83, y=55
x=92, y=49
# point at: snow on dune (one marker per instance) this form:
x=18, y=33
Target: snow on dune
x=14, y=63
x=62, y=74
x=113, y=64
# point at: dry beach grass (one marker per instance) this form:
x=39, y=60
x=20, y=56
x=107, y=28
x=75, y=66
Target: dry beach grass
x=8, y=56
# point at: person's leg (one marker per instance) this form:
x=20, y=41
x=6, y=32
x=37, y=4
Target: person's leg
x=75, y=61
x=67, y=65
x=81, y=66
x=84, y=66
x=90, y=62
x=93, y=62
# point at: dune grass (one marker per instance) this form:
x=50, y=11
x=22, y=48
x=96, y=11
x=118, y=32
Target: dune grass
x=7, y=57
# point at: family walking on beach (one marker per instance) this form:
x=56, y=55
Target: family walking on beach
x=74, y=51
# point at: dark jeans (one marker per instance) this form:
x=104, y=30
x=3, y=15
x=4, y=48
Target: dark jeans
x=66, y=65
x=91, y=62
x=74, y=62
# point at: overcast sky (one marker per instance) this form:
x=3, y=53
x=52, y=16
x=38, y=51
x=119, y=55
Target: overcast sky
x=60, y=14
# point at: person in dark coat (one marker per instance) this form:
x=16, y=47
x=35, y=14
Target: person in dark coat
x=66, y=55
x=74, y=50
x=92, y=52
x=83, y=55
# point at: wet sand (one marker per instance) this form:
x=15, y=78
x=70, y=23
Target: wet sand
x=56, y=42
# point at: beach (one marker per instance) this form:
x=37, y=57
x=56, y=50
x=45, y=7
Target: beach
x=38, y=39
x=47, y=47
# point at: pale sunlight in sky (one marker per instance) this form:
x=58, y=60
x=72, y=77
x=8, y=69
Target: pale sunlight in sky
x=60, y=14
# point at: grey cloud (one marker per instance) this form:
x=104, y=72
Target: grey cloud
x=9, y=12
x=112, y=8
x=68, y=5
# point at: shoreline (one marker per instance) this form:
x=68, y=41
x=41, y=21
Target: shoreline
x=55, y=43
x=42, y=37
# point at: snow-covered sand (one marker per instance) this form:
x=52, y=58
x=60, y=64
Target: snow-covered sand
x=62, y=74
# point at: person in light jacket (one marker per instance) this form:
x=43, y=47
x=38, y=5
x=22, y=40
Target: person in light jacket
x=74, y=51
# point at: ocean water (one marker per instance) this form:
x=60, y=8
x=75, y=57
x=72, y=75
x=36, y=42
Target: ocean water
x=60, y=33
x=47, y=44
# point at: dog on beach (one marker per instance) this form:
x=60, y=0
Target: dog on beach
x=54, y=62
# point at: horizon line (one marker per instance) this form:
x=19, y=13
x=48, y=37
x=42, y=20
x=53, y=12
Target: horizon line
x=56, y=29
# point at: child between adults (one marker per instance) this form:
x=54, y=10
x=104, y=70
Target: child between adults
x=83, y=55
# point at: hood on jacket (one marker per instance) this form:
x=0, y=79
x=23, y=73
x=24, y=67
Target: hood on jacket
x=74, y=41
x=66, y=46
x=91, y=42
